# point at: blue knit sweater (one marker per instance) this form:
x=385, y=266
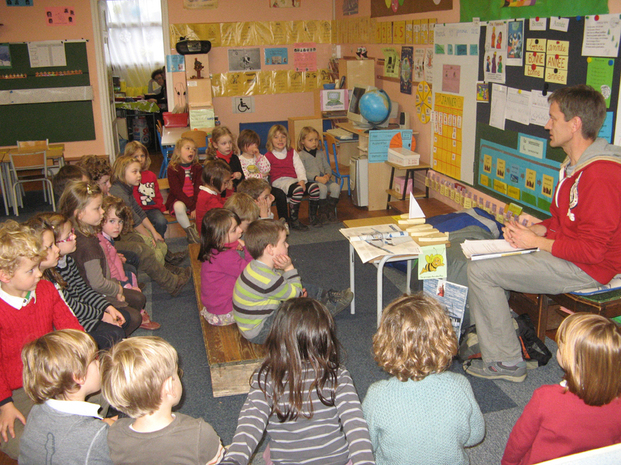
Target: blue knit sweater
x=423, y=422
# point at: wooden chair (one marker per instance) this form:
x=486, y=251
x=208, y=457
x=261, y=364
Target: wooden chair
x=339, y=170
x=166, y=150
x=33, y=144
x=30, y=167
x=200, y=138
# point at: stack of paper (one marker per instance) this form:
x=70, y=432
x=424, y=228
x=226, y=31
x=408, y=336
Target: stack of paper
x=371, y=242
x=494, y=248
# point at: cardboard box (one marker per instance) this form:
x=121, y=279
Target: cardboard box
x=403, y=156
x=398, y=183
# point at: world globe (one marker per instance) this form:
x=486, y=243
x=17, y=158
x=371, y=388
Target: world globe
x=375, y=106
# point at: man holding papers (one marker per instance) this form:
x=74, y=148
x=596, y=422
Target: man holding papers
x=580, y=245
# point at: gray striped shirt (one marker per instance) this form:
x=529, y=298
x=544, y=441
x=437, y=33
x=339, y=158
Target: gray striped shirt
x=333, y=435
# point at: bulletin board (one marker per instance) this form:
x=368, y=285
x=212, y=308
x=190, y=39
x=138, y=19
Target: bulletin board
x=516, y=163
x=55, y=121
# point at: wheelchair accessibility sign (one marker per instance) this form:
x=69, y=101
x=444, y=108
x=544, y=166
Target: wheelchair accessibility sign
x=243, y=104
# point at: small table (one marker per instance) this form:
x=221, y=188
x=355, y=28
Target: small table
x=427, y=207
x=409, y=172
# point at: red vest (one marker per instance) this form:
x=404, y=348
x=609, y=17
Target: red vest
x=281, y=168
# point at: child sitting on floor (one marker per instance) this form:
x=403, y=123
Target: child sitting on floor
x=302, y=396
x=222, y=146
x=224, y=257
x=147, y=192
x=104, y=322
x=244, y=207
x=270, y=279
x=184, y=179
x=318, y=170
x=29, y=308
x=216, y=179
x=288, y=174
x=423, y=414
x=60, y=370
x=141, y=378
x=584, y=411
x=261, y=192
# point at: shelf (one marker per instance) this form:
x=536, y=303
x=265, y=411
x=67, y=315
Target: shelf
x=421, y=166
x=418, y=194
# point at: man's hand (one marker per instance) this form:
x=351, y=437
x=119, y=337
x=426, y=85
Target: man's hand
x=8, y=415
x=522, y=237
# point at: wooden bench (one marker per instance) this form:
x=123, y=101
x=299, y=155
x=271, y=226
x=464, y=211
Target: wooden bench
x=541, y=307
x=232, y=358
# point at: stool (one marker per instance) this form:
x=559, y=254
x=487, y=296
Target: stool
x=607, y=304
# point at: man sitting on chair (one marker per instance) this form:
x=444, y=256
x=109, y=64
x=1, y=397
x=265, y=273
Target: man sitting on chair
x=580, y=245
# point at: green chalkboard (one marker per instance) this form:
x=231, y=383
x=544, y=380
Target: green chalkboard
x=57, y=121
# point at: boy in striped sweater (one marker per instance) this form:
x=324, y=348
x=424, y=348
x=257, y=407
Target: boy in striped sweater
x=271, y=279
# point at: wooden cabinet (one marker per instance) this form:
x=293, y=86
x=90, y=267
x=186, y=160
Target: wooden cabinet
x=296, y=124
x=359, y=73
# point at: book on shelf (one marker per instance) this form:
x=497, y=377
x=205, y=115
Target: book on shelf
x=493, y=248
x=372, y=242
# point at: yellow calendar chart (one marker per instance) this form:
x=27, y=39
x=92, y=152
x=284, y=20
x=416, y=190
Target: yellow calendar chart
x=447, y=135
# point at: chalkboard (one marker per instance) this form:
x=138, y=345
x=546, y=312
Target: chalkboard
x=502, y=168
x=57, y=121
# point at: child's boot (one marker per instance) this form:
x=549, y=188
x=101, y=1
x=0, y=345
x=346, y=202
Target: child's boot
x=294, y=221
x=337, y=301
x=313, y=214
x=147, y=323
x=323, y=210
x=192, y=235
x=331, y=209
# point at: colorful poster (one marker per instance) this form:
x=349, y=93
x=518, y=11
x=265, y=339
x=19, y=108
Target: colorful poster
x=432, y=262
x=276, y=56
x=175, y=63
x=244, y=59
x=305, y=57
x=450, y=78
x=447, y=134
x=515, y=43
x=381, y=140
x=5, y=56
x=407, y=65
x=391, y=62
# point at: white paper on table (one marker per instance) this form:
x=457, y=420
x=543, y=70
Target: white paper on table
x=415, y=210
x=497, y=110
x=367, y=252
x=518, y=105
x=539, y=108
x=601, y=37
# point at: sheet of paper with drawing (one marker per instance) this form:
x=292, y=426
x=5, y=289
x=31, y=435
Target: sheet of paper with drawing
x=371, y=242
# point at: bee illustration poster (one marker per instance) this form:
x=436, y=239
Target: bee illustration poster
x=451, y=296
x=432, y=262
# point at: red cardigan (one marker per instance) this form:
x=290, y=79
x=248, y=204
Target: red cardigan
x=204, y=203
x=40, y=316
x=176, y=179
x=555, y=424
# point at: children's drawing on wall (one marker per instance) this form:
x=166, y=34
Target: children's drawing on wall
x=244, y=59
x=391, y=62
x=495, y=66
x=305, y=56
x=56, y=16
x=284, y=3
x=518, y=3
x=276, y=56
x=350, y=7
x=482, y=92
x=428, y=65
x=515, y=43
x=406, y=70
x=419, y=65
x=450, y=78
x=5, y=56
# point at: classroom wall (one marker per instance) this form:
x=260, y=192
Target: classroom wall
x=28, y=24
x=267, y=107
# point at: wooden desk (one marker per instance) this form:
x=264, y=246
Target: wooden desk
x=170, y=136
